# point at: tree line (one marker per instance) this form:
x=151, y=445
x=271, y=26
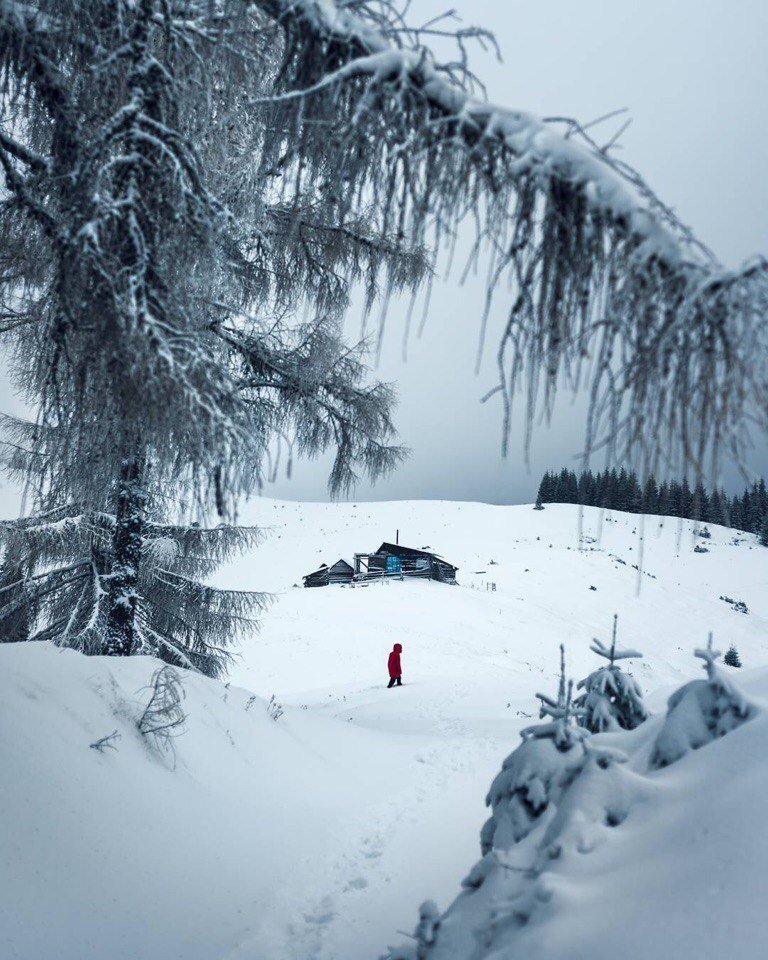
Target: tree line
x=623, y=490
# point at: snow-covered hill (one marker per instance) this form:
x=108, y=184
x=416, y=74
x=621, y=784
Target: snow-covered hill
x=316, y=836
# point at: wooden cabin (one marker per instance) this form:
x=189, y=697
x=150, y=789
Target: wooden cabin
x=395, y=560
x=340, y=572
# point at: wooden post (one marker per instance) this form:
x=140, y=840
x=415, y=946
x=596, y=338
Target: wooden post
x=397, y=535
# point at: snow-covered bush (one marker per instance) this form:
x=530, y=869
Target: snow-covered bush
x=612, y=699
x=700, y=712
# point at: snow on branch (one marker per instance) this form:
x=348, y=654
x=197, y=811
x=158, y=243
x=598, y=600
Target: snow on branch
x=611, y=292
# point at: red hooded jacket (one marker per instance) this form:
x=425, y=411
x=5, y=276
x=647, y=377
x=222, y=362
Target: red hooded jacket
x=393, y=663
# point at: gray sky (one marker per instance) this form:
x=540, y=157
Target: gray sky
x=694, y=76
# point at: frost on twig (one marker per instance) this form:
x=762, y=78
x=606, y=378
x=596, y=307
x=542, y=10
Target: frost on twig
x=163, y=716
x=107, y=742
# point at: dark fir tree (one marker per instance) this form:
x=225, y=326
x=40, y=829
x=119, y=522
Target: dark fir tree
x=732, y=656
x=764, y=532
x=651, y=496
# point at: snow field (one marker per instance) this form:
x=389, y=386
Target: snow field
x=317, y=836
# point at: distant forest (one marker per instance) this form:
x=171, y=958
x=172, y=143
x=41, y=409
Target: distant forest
x=623, y=491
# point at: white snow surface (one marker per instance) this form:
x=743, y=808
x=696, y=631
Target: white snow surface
x=317, y=836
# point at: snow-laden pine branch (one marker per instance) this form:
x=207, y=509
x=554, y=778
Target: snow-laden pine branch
x=611, y=291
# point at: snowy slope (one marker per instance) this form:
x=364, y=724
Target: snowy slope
x=315, y=837
x=338, y=637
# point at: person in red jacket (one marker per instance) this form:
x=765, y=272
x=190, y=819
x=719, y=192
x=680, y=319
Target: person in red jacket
x=395, y=670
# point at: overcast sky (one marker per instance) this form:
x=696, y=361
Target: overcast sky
x=694, y=76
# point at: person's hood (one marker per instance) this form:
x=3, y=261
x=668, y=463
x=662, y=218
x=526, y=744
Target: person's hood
x=398, y=648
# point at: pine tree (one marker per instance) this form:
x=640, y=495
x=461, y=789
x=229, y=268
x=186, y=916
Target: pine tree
x=178, y=617
x=718, y=508
x=685, y=508
x=699, y=712
x=701, y=504
x=545, y=489
x=665, y=501
x=538, y=505
x=651, y=497
x=764, y=532
x=612, y=699
x=635, y=498
x=731, y=657
x=736, y=513
x=14, y=576
x=538, y=770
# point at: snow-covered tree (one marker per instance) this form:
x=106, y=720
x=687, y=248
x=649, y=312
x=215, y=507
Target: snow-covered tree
x=612, y=699
x=136, y=128
x=178, y=617
x=732, y=658
x=563, y=217
x=700, y=712
x=536, y=772
x=151, y=330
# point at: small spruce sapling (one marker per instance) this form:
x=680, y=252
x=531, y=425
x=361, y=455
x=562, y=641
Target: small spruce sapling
x=731, y=657
x=612, y=699
x=561, y=712
x=534, y=774
x=539, y=505
x=700, y=712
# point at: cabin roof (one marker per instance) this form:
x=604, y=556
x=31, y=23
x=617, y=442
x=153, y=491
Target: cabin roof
x=324, y=567
x=398, y=550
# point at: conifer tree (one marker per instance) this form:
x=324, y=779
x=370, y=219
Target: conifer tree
x=178, y=617
x=718, y=508
x=701, y=503
x=685, y=507
x=665, y=500
x=612, y=699
x=764, y=532
x=731, y=657
x=651, y=496
x=736, y=513
x=700, y=711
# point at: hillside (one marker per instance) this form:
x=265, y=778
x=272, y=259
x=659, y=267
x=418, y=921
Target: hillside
x=316, y=836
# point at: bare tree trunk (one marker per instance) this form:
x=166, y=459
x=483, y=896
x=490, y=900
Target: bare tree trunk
x=126, y=562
